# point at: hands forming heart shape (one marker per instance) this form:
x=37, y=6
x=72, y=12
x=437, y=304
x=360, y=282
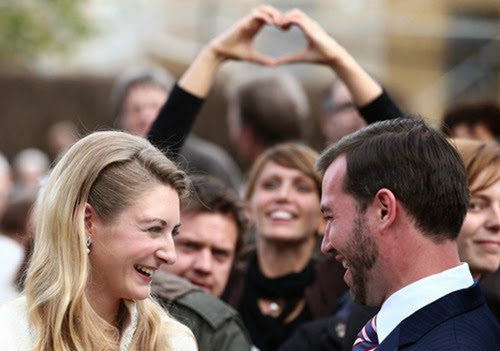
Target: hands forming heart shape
x=237, y=42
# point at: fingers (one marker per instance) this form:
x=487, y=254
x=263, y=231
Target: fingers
x=262, y=59
x=309, y=27
x=293, y=58
x=237, y=42
x=322, y=48
x=268, y=14
x=292, y=17
x=308, y=55
x=250, y=25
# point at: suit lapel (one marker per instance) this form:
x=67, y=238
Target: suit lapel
x=424, y=320
x=390, y=343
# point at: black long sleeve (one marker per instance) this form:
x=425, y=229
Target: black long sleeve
x=380, y=109
x=175, y=121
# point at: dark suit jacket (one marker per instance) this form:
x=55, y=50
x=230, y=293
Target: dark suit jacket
x=457, y=321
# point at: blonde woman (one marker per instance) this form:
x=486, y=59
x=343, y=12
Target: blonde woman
x=104, y=225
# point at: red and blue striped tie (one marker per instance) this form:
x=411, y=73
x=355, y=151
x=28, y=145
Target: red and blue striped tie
x=367, y=339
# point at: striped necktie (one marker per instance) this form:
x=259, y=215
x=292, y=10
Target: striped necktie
x=367, y=339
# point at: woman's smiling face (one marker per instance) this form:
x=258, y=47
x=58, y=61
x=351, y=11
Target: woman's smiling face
x=125, y=253
x=479, y=238
x=285, y=204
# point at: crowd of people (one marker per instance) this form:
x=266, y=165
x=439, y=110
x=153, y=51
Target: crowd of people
x=147, y=237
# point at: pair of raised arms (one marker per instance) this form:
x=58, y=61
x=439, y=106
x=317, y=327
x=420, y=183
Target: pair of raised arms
x=236, y=43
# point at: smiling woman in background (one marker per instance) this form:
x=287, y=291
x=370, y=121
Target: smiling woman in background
x=279, y=287
x=104, y=224
x=479, y=239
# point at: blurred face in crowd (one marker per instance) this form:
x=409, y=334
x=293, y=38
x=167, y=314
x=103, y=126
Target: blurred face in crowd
x=141, y=106
x=348, y=237
x=479, y=239
x=125, y=253
x=60, y=136
x=477, y=132
x=206, y=250
x=343, y=118
x=5, y=187
x=284, y=205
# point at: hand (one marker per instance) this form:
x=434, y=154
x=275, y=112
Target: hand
x=237, y=42
x=321, y=47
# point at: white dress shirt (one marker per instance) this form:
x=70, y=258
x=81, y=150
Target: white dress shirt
x=419, y=294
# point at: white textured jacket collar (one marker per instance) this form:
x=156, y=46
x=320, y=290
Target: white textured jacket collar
x=18, y=333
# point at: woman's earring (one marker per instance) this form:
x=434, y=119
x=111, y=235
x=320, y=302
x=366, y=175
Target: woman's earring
x=89, y=242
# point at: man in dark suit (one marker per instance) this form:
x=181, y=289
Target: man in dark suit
x=394, y=197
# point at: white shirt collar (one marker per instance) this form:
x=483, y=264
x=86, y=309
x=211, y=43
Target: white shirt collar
x=415, y=296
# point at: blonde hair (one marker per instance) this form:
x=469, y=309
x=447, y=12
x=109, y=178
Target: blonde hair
x=109, y=170
x=479, y=158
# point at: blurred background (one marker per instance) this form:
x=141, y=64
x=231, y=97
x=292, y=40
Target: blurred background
x=58, y=59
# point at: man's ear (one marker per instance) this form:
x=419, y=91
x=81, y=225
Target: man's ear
x=89, y=219
x=385, y=205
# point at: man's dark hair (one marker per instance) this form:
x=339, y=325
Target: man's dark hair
x=273, y=104
x=210, y=195
x=415, y=162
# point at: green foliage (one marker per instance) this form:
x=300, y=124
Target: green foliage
x=31, y=27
